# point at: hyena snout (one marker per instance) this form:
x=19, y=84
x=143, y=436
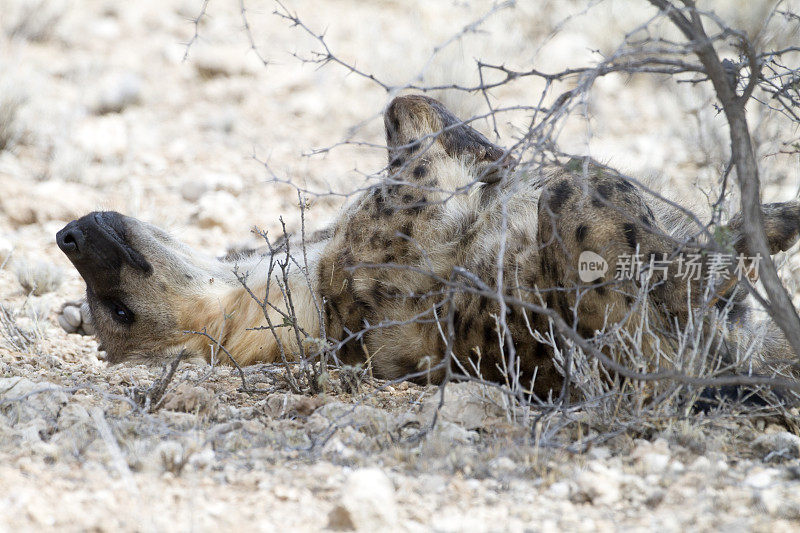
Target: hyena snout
x=97, y=245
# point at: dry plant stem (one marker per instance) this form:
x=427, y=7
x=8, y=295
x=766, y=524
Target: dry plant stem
x=155, y=394
x=780, y=305
x=204, y=333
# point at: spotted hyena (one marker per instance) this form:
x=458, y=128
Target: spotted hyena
x=457, y=250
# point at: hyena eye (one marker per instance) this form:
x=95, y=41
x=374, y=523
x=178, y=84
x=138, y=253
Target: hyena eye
x=120, y=313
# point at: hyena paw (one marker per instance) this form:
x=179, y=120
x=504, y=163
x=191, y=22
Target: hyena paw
x=74, y=317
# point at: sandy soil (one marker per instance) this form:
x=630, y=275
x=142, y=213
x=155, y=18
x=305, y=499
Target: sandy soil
x=108, y=108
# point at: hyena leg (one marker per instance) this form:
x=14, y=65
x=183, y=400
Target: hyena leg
x=74, y=317
x=781, y=225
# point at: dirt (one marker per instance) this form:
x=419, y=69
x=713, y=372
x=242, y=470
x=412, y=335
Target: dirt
x=111, y=109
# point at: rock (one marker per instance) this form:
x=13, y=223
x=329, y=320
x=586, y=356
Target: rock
x=446, y=434
x=599, y=485
x=194, y=189
x=339, y=519
x=38, y=277
x=783, y=444
x=220, y=209
x=117, y=93
x=189, y=398
x=761, y=479
x=169, y=456
x=45, y=201
x=6, y=247
x=654, y=463
x=599, y=452
x=366, y=419
x=701, y=464
x=36, y=400
x=468, y=404
x=105, y=138
x=201, y=460
x=291, y=405
x=559, y=490
x=367, y=502
x=502, y=465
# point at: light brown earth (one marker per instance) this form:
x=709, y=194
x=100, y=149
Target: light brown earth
x=111, y=116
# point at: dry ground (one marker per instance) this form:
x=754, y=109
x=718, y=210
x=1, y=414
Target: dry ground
x=99, y=109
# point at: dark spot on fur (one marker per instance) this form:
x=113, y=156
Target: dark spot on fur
x=597, y=202
x=489, y=335
x=407, y=198
x=601, y=291
x=624, y=185
x=420, y=171
x=605, y=191
x=629, y=230
x=542, y=351
x=397, y=162
x=580, y=232
x=407, y=228
x=564, y=310
x=559, y=195
x=420, y=205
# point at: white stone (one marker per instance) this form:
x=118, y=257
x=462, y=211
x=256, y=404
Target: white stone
x=105, y=138
x=654, y=463
x=599, y=452
x=170, y=455
x=368, y=496
x=559, y=490
x=502, y=465
x=598, y=487
x=468, y=404
x=118, y=92
x=201, y=460
x=219, y=208
x=783, y=443
x=193, y=189
x=761, y=479
x=701, y=464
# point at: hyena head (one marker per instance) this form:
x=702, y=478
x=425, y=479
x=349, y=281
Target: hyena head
x=138, y=281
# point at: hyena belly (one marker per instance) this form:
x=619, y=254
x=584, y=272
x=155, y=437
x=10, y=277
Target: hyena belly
x=393, y=291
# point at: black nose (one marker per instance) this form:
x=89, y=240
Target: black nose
x=71, y=240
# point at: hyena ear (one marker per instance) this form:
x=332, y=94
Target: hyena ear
x=410, y=118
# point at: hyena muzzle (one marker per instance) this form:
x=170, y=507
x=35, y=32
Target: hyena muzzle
x=444, y=262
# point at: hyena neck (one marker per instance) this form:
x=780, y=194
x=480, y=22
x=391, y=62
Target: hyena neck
x=233, y=319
